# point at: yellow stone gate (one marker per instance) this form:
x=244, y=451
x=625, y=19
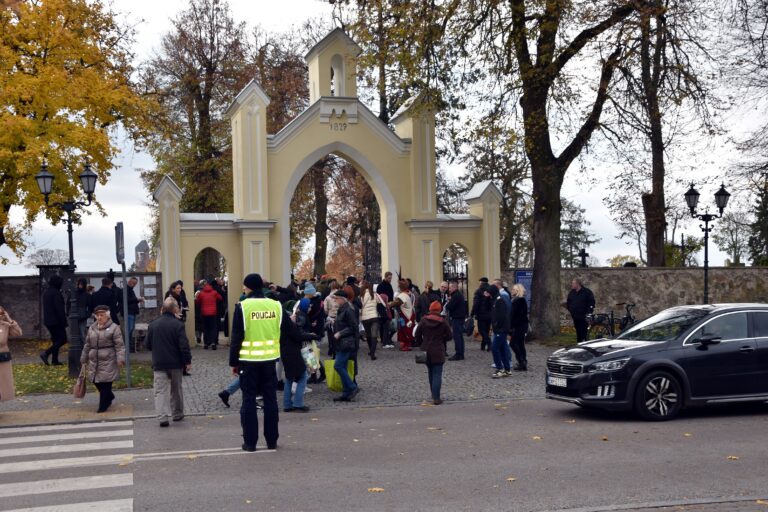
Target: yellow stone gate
x=398, y=164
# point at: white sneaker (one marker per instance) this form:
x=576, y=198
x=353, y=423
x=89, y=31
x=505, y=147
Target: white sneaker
x=307, y=389
x=493, y=365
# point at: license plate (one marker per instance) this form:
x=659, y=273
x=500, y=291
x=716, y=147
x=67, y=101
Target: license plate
x=557, y=381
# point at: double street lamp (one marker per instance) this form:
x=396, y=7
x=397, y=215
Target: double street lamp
x=692, y=200
x=88, y=180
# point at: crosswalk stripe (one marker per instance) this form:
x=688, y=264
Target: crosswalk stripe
x=81, y=483
x=65, y=437
x=93, y=506
x=66, y=426
x=74, y=462
x=64, y=448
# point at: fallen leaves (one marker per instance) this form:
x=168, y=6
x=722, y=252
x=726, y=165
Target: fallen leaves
x=191, y=456
x=375, y=489
x=733, y=457
x=687, y=434
x=604, y=438
x=434, y=428
x=511, y=479
x=537, y=438
x=570, y=421
x=761, y=502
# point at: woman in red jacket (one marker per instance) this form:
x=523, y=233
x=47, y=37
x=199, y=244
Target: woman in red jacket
x=208, y=299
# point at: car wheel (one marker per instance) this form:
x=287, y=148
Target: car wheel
x=658, y=397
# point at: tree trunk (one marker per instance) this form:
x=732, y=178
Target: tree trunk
x=547, y=182
x=321, y=217
x=545, y=315
x=653, y=203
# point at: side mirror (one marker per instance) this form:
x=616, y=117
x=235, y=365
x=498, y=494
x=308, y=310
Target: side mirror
x=709, y=339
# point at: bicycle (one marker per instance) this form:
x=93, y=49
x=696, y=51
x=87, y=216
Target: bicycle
x=628, y=319
x=600, y=325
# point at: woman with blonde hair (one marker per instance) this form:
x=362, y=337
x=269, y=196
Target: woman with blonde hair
x=519, y=325
x=369, y=316
x=8, y=328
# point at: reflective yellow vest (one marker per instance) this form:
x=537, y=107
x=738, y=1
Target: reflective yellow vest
x=261, y=318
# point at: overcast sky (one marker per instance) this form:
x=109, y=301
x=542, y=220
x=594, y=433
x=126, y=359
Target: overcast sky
x=124, y=197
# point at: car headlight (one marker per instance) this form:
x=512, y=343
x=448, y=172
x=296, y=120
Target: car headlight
x=609, y=366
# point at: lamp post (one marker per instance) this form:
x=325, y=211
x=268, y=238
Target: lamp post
x=88, y=180
x=692, y=200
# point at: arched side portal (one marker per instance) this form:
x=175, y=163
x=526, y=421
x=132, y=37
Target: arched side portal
x=385, y=198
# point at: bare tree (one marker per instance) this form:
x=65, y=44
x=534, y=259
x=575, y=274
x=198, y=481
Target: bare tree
x=47, y=257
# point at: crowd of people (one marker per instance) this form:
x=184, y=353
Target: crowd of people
x=273, y=326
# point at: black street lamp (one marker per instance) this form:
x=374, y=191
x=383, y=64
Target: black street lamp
x=692, y=200
x=88, y=180
x=45, y=184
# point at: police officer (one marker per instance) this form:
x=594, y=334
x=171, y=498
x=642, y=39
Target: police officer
x=255, y=348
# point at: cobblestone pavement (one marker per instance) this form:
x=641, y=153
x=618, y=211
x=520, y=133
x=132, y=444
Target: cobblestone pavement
x=393, y=379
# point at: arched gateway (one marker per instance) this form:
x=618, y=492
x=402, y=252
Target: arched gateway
x=399, y=166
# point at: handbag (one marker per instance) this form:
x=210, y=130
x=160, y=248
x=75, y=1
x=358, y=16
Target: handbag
x=421, y=357
x=469, y=326
x=345, y=344
x=79, y=390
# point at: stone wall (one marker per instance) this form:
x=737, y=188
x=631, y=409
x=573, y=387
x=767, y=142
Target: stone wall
x=655, y=289
x=21, y=296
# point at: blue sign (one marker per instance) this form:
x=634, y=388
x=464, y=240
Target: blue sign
x=525, y=278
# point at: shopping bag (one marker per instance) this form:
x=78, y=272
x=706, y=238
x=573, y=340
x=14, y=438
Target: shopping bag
x=311, y=356
x=332, y=378
x=79, y=390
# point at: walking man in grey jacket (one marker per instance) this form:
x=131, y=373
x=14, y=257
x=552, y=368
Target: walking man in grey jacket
x=170, y=355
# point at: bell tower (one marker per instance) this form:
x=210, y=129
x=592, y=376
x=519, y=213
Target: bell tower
x=332, y=67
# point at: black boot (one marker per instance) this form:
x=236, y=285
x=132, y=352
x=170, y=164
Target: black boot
x=44, y=357
x=224, y=395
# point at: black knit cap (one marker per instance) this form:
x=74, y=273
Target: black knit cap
x=341, y=293
x=253, y=282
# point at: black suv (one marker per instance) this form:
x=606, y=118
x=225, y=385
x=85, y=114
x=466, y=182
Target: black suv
x=684, y=356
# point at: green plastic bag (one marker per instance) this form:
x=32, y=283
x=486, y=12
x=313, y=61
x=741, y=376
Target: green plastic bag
x=333, y=379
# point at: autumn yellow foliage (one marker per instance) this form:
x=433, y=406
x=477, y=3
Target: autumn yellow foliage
x=65, y=86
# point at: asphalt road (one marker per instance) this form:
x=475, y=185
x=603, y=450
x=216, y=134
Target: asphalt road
x=520, y=455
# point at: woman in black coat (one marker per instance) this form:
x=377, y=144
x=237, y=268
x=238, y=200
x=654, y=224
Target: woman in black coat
x=292, y=338
x=519, y=324
x=54, y=318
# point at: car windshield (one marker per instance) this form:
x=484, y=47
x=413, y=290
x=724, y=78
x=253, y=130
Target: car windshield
x=664, y=326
